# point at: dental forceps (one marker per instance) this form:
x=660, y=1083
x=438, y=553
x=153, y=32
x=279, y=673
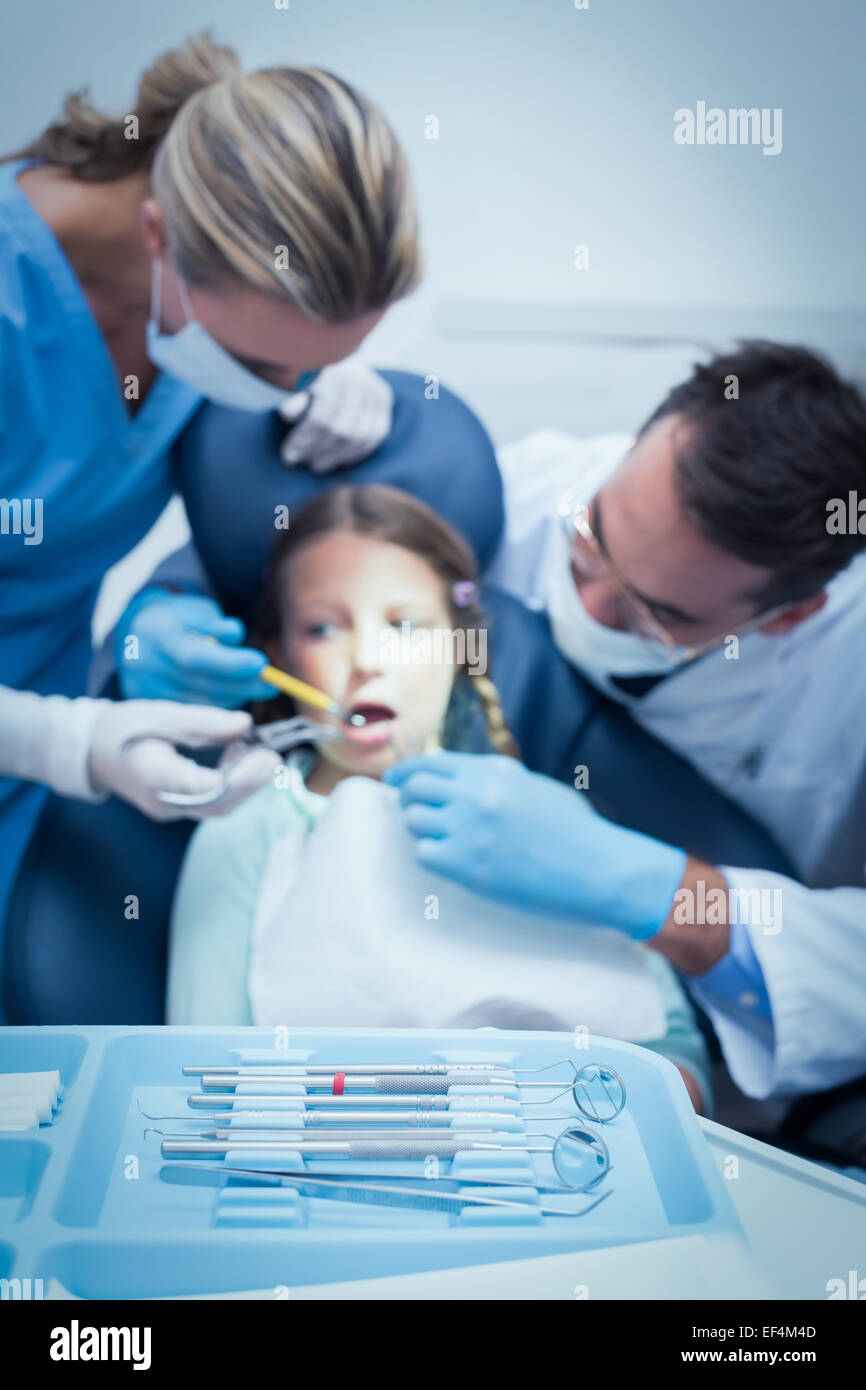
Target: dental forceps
x=426, y=1198
x=279, y=737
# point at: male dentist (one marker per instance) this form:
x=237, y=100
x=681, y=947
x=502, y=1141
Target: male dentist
x=711, y=576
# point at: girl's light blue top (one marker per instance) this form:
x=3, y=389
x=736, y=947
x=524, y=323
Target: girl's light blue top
x=67, y=440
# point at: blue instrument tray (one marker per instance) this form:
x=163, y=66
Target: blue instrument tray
x=81, y=1200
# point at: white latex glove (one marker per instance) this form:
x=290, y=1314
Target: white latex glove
x=139, y=770
x=346, y=415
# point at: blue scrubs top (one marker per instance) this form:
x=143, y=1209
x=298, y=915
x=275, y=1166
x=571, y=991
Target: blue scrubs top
x=67, y=438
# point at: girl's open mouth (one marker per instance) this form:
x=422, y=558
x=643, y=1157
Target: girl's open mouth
x=376, y=732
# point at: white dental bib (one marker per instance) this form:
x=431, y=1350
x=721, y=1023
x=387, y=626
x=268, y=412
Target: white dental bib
x=351, y=931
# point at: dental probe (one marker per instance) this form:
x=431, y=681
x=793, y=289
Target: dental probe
x=308, y=694
x=388, y=1084
x=319, y=1119
x=287, y=1138
x=278, y=1069
x=275, y=1100
x=369, y=1148
x=298, y=689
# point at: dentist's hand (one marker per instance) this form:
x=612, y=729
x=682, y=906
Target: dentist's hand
x=510, y=834
x=347, y=415
x=133, y=756
x=172, y=658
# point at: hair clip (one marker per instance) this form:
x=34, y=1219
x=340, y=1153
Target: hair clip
x=464, y=593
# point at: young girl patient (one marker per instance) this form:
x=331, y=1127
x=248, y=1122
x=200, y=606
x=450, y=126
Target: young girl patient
x=287, y=914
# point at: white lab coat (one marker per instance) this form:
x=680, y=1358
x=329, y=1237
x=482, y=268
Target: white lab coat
x=781, y=729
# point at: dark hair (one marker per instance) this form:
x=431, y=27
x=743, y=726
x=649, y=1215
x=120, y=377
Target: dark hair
x=96, y=148
x=756, y=471
x=388, y=514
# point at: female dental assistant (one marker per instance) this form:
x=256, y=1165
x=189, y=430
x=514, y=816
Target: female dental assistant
x=232, y=237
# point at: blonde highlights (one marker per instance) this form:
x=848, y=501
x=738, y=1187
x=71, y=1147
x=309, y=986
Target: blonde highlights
x=287, y=178
x=501, y=737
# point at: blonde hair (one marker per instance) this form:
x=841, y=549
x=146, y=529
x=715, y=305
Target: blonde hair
x=501, y=738
x=287, y=178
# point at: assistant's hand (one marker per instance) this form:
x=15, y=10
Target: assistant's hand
x=172, y=657
x=133, y=755
x=348, y=414
x=510, y=834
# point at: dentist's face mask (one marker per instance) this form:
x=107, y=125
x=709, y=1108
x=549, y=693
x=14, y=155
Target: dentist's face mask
x=596, y=650
x=602, y=652
x=194, y=357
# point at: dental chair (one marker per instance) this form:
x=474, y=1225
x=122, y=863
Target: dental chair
x=232, y=479
x=85, y=939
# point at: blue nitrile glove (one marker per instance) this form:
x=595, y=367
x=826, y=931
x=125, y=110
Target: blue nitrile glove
x=173, y=658
x=507, y=833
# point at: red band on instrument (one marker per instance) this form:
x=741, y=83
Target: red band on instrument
x=339, y=1083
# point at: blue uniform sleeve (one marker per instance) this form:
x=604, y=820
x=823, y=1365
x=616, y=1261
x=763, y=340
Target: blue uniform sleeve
x=683, y=1042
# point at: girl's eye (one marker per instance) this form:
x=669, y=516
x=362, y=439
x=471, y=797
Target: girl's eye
x=410, y=624
x=320, y=630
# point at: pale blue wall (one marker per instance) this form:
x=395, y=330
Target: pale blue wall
x=556, y=128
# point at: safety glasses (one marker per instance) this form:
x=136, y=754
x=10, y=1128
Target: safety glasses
x=590, y=561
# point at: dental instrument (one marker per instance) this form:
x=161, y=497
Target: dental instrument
x=315, y=1119
x=588, y=1182
x=286, y=1138
x=224, y=1172
x=298, y=689
x=599, y=1092
x=378, y=1193
x=580, y=1157
x=308, y=694
x=278, y=1101
x=339, y=1083
x=279, y=737
x=567, y=1147
x=384, y=1148
x=347, y=1068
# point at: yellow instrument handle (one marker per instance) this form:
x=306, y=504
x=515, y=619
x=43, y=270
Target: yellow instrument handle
x=290, y=685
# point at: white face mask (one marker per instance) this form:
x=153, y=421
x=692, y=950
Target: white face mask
x=597, y=651
x=194, y=357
